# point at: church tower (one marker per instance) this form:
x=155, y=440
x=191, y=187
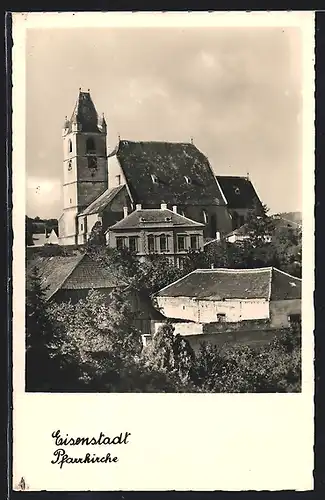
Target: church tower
x=85, y=170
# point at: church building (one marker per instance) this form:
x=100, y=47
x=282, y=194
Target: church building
x=106, y=186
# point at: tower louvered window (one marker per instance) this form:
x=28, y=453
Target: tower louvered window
x=90, y=146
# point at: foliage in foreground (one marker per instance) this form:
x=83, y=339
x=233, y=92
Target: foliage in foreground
x=91, y=346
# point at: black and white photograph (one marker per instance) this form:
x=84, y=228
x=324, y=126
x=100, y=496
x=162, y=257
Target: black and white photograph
x=166, y=233
x=163, y=210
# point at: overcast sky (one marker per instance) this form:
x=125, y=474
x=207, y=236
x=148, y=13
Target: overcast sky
x=236, y=91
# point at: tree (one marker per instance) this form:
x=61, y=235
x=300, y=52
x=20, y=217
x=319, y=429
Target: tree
x=172, y=355
x=45, y=367
x=29, y=231
x=96, y=237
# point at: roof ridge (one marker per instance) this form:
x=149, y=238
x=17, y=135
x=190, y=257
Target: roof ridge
x=234, y=270
x=286, y=274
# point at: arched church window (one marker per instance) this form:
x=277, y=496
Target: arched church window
x=205, y=216
x=70, y=146
x=90, y=146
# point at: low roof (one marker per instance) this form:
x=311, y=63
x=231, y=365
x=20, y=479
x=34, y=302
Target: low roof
x=74, y=272
x=155, y=217
x=222, y=284
x=239, y=192
x=171, y=163
x=102, y=201
x=278, y=223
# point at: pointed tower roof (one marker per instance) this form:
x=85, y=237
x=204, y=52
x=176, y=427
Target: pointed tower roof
x=85, y=113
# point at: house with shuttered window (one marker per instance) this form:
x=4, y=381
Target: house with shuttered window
x=157, y=231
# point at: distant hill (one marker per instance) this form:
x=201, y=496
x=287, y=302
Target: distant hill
x=292, y=216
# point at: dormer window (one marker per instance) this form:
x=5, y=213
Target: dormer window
x=188, y=179
x=154, y=179
x=168, y=219
x=237, y=190
x=90, y=146
x=142, y=219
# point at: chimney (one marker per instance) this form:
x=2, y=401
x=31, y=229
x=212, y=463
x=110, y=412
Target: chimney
x=138, y=206
x=163, y=206
x=218, y=235
x=175, y=209
x=125, y=211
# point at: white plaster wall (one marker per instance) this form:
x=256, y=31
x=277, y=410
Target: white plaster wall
x=235, y=310
x=179, y=307
x=114, y=169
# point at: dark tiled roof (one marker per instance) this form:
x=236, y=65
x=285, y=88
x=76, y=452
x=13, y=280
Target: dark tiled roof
x=102, y=201
x=285, y=286
x=153, y=217
x=239, y=192
x=90, y=274
x=220, y=284
x=170, y=163
x=75, y=272
x=85, y=114
x=53, y=271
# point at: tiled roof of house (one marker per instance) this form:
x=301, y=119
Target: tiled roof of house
x=172, y=173
x=85, y=114
x=239, y=192
x=102, y=201
x=153, y=217
x=278, y=223
x=90, y=274
x=223, y=284
x=53, y=271
x=72, y=273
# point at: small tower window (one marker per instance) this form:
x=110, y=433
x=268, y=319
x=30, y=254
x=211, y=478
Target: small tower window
x=118, y=180
x=90, y=146
x=70, y=146
x=154, y=179
x=70, y=165
x=188, y=179
x=205, y=216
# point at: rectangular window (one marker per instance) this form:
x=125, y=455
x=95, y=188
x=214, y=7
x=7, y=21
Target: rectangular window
x=133, y=243
x=221, y=317
x=180, y=242
x=151, y=243
x=81, y=227
x=294, y=318
x=118, y=180
x=163, y=243
x=120, y=243
x=194, y=242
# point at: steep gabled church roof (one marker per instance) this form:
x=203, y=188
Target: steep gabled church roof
x=172, y=173
x=85, y=114
x=102, y=201
x=239, y=192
